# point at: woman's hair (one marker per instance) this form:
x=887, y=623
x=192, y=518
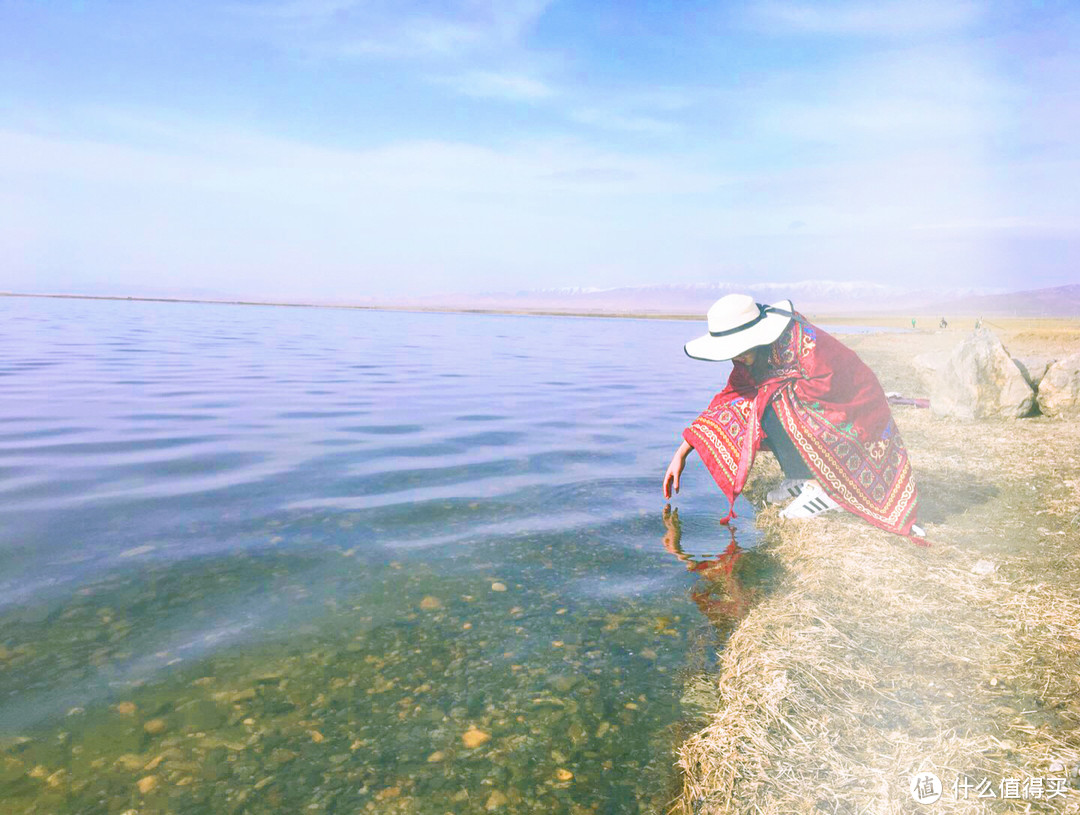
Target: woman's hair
x=761, y=360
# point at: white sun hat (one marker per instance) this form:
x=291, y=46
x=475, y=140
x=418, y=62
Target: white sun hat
x=737, y=323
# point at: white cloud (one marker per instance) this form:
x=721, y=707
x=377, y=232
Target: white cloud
x=491, y=85
x=391, y=28
x=212, y=204
x=1014, y=224
x=301, y=11
x=904, y=99
x=888, y=18
x=628, y=123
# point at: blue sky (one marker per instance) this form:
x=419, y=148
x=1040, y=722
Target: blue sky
x=343, y=149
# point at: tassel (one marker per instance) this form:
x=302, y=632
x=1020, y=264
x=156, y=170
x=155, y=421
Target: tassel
x=731, y=513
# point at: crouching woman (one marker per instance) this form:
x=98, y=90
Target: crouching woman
x=801, y=393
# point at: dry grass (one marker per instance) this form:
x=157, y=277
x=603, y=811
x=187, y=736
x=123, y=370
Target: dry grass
x=876, y=660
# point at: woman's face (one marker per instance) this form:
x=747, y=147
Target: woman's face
x=747, y=358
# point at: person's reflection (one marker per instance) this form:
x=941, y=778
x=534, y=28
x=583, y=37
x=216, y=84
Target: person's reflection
x=720, y=594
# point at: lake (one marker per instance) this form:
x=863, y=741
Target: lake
x=272, y=559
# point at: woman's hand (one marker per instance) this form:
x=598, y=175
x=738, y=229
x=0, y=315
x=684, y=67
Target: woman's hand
x=675, y=468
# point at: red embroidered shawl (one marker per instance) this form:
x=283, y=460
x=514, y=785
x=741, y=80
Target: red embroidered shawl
x=833, y=408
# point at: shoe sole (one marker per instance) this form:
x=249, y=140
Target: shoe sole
x=792, y=494
x=810, y=508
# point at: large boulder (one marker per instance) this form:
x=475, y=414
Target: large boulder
x=981, y=381
x=1034, y=368
x=1059, y=391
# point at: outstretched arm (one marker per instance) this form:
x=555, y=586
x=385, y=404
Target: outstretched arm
x=675, y=468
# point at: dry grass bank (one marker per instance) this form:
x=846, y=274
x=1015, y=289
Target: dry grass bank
x=875, y=659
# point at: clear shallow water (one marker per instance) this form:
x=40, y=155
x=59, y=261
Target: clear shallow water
x=294, y=556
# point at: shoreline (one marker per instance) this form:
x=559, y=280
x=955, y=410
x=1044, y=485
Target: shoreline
x=875, y=660
x=926, y=323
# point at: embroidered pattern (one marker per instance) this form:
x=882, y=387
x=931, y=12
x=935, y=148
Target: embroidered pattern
x=861, y=462
x=720, y=436
x=873, y=481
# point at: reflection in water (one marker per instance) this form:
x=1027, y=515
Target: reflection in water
x=730, y=580
x=720, y=594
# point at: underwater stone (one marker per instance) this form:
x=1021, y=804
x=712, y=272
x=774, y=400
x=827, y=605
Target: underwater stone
x=563, y=683
x=156, y=726
x=147, y=784
x=202, y=714
x=496, y=800
x=474, y=737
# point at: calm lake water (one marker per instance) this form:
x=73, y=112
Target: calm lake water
x=259, y=559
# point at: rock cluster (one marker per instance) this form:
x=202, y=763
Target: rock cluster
x=978, y=379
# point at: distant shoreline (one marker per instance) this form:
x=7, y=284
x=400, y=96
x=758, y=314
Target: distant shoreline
x=870, y=319
x=631, y=315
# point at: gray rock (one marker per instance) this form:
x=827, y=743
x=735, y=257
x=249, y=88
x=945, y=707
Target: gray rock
x=1033, y=368
x=981, y=381
x=1059, y=391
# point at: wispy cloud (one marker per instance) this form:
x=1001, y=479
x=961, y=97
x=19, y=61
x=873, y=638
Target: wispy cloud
x=887, y=18
x=1017, y=224
x=895, y=137
x=628, y=123
x=593, y=175
x=384, y=28
x=492, y=85
x=276, y=215
x=933, y=97
x=301, y=11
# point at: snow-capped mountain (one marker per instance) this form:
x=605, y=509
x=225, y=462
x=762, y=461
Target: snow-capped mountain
x=827, y=297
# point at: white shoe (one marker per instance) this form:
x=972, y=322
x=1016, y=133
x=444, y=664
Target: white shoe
x=918, y=531
x=812, y=501
x=789, y=488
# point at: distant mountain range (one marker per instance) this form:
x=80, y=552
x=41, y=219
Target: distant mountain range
x=815, y=297
x=1059, y=301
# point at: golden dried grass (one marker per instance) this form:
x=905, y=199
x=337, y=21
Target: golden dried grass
x=875, y=660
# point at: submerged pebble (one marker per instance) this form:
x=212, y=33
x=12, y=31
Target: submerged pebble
x=147, y=784
x=496, y=800
x=156, y=726
x=474, y=737
x=400, y=715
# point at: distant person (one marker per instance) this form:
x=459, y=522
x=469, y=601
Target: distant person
x=944, y=323
x=978, y=323
x=799, y=392
x=912, y=322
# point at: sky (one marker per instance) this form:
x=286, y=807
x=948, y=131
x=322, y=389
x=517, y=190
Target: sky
x=349, y=149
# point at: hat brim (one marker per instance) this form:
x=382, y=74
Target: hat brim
x=719, y=349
